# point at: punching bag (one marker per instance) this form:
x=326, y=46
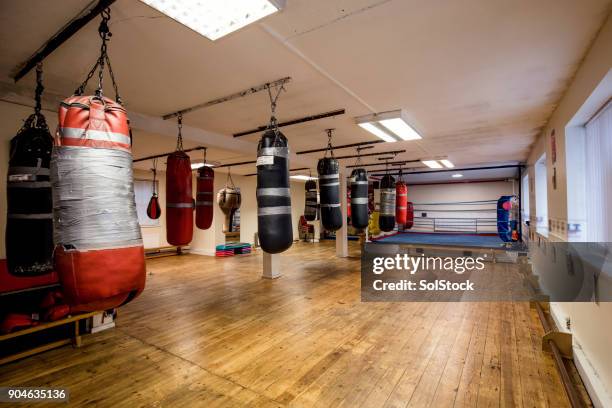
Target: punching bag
x=387, y=203
x=359, y=198
x=409, y=215
x=274, y=222
x=99, y=254
x=29, y=225
x=310, y=210
x=204, y=197
x=179, y=199
x=329, y=185
x=229, y=200
x=153, y=208
x=401, y=202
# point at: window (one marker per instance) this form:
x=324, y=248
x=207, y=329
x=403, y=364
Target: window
x=525, y=198
x=541, y=195
x=598, y=176
x=143, y=190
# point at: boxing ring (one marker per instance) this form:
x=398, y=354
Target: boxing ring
x=487, y=240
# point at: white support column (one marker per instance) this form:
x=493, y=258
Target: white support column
x=342, y=233
x=271, y=266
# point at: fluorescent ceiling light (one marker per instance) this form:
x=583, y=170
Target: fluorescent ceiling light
x=401, y=129
x=390, y=126
x=447, y=163
x=378, y=132
x=195, y=166
x=457, y=175
x=432, y=164
x=216, y=18
x=302, y=177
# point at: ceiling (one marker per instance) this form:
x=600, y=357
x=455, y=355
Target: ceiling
x=478, y=78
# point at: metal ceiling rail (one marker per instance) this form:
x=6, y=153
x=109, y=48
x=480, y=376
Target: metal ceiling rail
x=310, y=118
x=157, y=156
x=62, y=36
x=507, y=166
x=342, y=146
x=236, y=164
x=380, y=164
x=369, y=155
x=243, y=93
x=301, y=168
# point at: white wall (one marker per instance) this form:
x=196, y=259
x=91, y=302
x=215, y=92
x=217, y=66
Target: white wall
x=591, y=322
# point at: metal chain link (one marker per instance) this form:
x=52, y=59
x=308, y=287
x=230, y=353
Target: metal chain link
x=179, y=139
x=330, y=148
x=154, y=169
x=273, y=103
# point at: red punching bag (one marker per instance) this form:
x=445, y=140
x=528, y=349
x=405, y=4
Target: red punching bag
x=179, y=198
x=401, y=202
x=409, y=215
x=153, y=208
x=99, y=254
x=204, y=197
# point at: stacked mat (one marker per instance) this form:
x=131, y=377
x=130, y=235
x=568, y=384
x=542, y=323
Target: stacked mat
x=238, y=248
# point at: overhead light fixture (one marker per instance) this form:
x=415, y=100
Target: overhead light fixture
x=216, y=18
x=447, y=163
x=302, y=177
x=458, y=175
x=195, y=166
x=432, y=164
x=390, y=126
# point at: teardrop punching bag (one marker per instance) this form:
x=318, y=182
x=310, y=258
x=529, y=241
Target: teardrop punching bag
x=329, y=186
x=229, y=200
x=153, y=208
x=179, y=199
x=99, y=254
x=310, y=210
x=359, y=198
x=401, y=202
x=274, y=222
x=387, y=203
x=204, y=197
x=29, y=225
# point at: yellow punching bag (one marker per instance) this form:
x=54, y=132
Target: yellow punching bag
x=373, y=227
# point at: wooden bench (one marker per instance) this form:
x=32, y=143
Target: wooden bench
x=75, y=339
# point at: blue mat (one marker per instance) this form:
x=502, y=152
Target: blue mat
x=479, y=241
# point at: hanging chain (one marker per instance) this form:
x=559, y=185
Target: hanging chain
x=273, y=103
x=103, y=59
x=330, y=148
x=154, y=169
x=358, y=161
x=179, y=139
x=39, y=89
x=205, y=149
x=229, y=181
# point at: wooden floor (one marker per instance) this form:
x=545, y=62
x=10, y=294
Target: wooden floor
x=210, y=332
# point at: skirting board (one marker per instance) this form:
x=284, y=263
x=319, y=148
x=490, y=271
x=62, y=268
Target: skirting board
x=205, y=252
x=596, y=389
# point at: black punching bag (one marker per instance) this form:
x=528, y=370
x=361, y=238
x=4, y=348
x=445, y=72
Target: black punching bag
x=359, y=198
x=310, y=210
x=329, y=186
x=273, y=198
x=386, y=220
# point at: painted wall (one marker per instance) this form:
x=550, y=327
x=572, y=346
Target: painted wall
x=591, y=323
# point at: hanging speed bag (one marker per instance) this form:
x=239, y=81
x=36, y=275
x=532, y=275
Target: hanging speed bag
x=153, y=209
x=409, y=215
x=274, y=222
x=359, y=198
x=29, y=225
x=310, y=210
x=204, y=197
x=179, y=199
x=99, y=254
x=401, y=202
x=329, y=185
x=229, y=200
x=387, y=203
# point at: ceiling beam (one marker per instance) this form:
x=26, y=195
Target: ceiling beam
x=294, y=122
x=243, y=93
x=380, y=164
x=371, y=142
x=369, y=155
x=157, y=156
x=62, y=36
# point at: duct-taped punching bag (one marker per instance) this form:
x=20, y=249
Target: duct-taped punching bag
x=387, y=203
x=359, y=198
x=329, y=187
x=274, y=223
x=179, y=195
x=29, y=225
x=229, y=200
x=153, y=208
x=310, y=209
x=99, y=254
x=204, y=196
x=401, y=201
